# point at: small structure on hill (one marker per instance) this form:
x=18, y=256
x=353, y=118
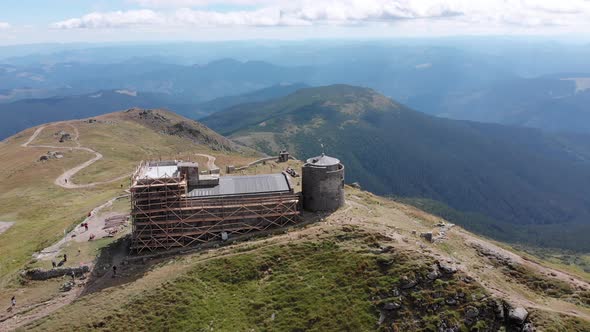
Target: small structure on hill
x=283, y=156
x=51, y=155
x=174, y=206
x=323, y=184
x=63, y=136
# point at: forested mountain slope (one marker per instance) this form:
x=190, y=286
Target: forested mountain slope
x=518, y=184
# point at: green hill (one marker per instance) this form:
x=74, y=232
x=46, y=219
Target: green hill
x=516, y=184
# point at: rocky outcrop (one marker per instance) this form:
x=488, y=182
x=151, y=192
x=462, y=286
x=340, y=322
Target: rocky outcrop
x=392, y=306
x=40, y=274
x=447, y=268
x=434, y=273
x=494, y=256
x=407, y=283
x=517, y=315
x=427, y=236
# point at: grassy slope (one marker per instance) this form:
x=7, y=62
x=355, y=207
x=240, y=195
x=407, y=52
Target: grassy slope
x=315, y=286
x=328, y=276
x=42, y=210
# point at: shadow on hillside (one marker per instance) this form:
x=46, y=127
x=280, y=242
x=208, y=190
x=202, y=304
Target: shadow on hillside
x=132, y=267
x=114, y=254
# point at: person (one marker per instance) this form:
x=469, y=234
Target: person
x=114, y=271
x=73, y=276
x=13, y=301
x=86, y=226
x=66, y=180
x=53, y=264
x=65, y=258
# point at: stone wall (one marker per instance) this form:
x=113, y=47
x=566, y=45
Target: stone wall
x=41, y=274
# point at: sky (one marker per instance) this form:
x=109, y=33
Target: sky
x=40, y=21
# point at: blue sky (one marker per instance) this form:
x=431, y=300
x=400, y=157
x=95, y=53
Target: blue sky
x=32, y=21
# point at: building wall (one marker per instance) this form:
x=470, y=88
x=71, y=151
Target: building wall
x=323, y=187
x=163, y=220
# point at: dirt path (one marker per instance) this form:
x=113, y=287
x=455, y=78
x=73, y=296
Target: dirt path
x=28, y=314
x=210, y=161
x=5, y=225
x=65, y=180
x=95, y=226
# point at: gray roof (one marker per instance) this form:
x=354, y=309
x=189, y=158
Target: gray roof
x=323, y=160
x=240, y=185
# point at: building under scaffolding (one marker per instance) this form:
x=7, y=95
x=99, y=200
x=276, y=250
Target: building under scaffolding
x=173, y=206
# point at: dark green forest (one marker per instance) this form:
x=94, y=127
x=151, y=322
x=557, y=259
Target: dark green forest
x=515, y=184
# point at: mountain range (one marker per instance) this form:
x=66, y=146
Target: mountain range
x=444, y=81
x=517, y=184
x=31, y=112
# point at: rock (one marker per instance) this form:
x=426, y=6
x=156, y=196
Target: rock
x=471, y=312
x=447, y=268
x=427, y=236
x=66, y=286
x=356, y=185
x=40, y=274
x=451, y=301
x=499, y=310
x=407, y=283
x=392, y=306
x=528, y=327
x=381, y=318
x=395, y=292
x=517, y=315
x=467, y=279
x=434, y=273
x=387, y=249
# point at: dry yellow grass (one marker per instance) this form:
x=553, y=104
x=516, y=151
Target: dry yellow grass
x=41, y=210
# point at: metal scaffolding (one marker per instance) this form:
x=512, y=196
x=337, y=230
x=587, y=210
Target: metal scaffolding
x=164, y=217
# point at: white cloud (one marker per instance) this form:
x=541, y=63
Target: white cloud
x=116, y=19
x=4, y=25
x=266, y=13
x=199, y=3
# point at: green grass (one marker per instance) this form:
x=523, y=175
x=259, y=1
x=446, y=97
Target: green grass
x=311, y=286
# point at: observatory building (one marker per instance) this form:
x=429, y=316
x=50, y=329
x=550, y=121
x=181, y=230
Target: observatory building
x=173, y=205
x=323, y=184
